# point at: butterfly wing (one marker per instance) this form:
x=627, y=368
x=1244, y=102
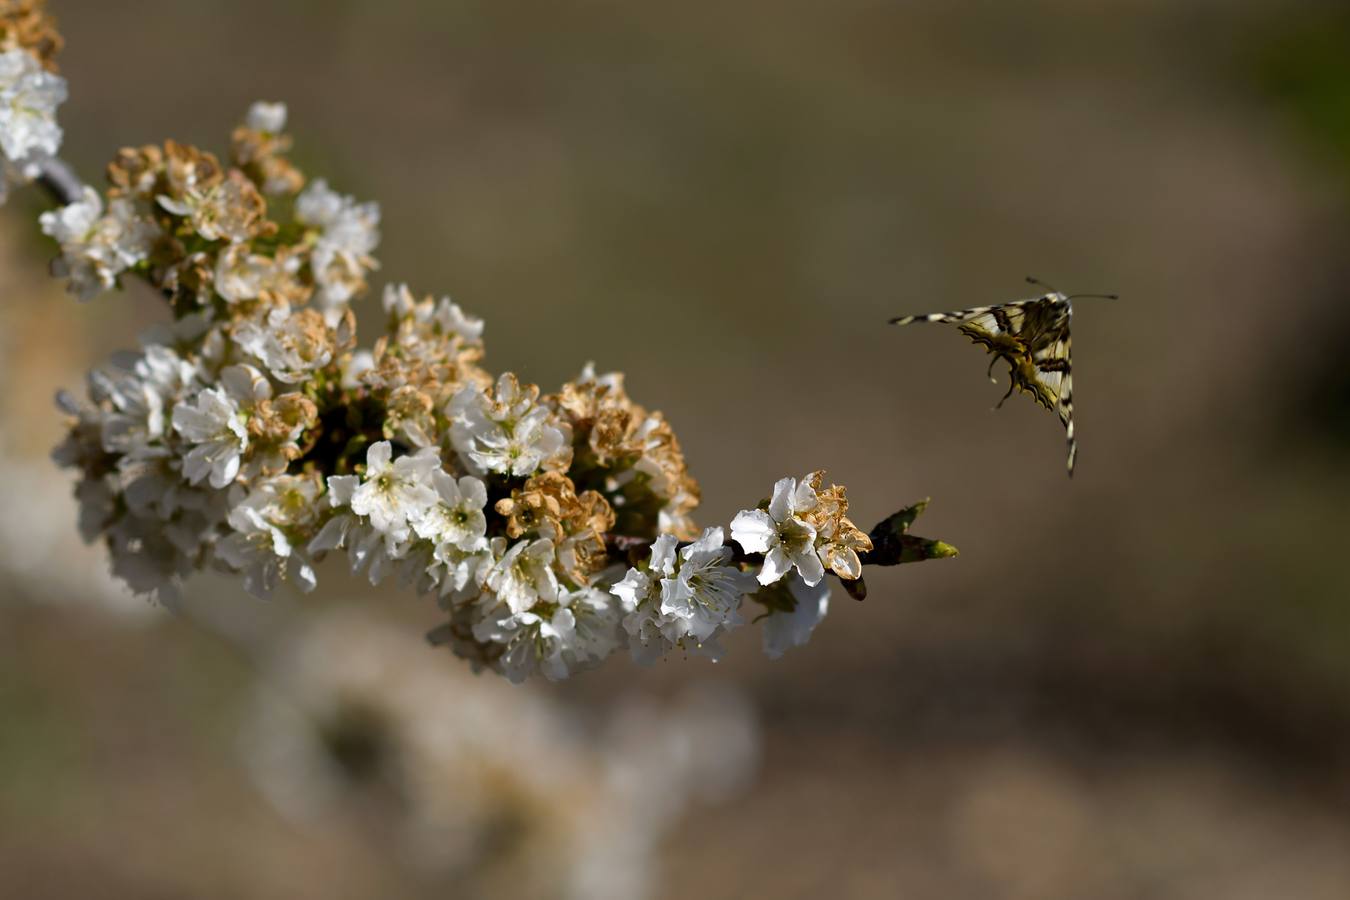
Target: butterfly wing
x=1050, y=381
x=985, y=318
x=1032, y=336
x=996, y=328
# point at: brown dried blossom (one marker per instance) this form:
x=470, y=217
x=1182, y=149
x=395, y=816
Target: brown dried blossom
x=548, y=505
x=188, y=170
x=276, y=428
x=249, y=280
x=636, y=451
x=426, y=357
x=262, y=157
x=26, y=24
x=543, y=502
x=231, y=209
x=842, y=540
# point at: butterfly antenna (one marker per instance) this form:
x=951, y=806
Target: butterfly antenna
x=1039, y=283
x=1097, y=296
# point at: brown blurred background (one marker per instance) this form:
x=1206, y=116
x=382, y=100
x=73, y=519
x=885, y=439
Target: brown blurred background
x=1135, y=684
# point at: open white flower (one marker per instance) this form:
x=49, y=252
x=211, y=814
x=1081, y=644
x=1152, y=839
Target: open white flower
x=685, y=599
x=639, y=594
x=459, y=574
x=507, y=431
x=368, y=548
x=786, y=541
x=96, y=248
x=258, y=545
x=595, y=617
x=216, y=422
x=707, y=592
x=29, y=96
x=533, y=643
x=457, y=517
x=131, y=397
x=523, y=575
x=395, y=492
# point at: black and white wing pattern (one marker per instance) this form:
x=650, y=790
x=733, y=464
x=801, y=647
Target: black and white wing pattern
x=1051, y=379
x=1032, y=337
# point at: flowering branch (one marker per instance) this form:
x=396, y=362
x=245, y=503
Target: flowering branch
x=892, y=545
x=252, y=434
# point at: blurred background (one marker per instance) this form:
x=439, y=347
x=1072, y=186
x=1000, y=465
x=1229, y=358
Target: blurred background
x=1135, y=684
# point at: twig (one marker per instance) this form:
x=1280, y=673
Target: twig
x=59, y=180
x=892, y=545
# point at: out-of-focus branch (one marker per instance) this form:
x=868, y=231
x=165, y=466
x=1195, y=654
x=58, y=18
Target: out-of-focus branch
x=59, y=180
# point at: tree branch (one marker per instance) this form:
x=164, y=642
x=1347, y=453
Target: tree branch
x=892, y=545
x=59, y=180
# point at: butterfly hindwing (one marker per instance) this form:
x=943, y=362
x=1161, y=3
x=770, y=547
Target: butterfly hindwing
x=1053, y=374
x=1032, y=337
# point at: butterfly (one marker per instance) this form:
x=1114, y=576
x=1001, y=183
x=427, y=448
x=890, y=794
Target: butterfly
x=1032, y=337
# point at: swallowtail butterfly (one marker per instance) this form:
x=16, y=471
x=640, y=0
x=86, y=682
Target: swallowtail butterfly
x=1032, y=337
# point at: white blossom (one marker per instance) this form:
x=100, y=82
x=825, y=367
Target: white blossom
x=216, y=423
x=783, y=629
x=132, y=395
x=367, y=548
x=445, y=314
x=152, y=484
x=786, y=541
x=395, y=492
x=706, y=593
x=285, y=343
x=508, y=431
x=532, y=642
x=29, y=96
x=269, y=118
x=96, y=248
x=457, y=518
x=596, y=632
x=259, y=546
x=685, y=599
x=523, y=574
x=348, y=234
x=639, y=593
x=460, y=574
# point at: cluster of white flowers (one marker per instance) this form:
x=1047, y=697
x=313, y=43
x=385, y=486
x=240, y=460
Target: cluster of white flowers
x=682, y=599
x=96, y=246
x=29, y=96
x=253, y=436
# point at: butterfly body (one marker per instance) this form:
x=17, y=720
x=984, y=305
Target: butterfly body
x=1032, y=337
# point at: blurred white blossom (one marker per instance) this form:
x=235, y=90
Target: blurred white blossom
x=493, y=787
x=29, y=96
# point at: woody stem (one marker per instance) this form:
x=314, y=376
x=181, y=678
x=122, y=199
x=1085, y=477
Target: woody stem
x=59, y=180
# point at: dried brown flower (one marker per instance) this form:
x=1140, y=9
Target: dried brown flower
x=26, y=24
